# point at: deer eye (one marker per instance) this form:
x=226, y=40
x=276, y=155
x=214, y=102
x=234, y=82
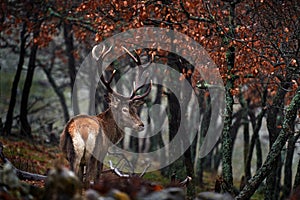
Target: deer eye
x=124, y=109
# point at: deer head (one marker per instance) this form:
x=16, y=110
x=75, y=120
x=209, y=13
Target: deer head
x=124, y=109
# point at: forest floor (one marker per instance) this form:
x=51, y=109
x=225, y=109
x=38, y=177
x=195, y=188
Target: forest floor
x=40, y=158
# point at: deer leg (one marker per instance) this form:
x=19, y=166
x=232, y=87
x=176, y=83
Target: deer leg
x=100, y=161
x=94, y=169
x=99, y=169
x=79, y=149
x=91, y=168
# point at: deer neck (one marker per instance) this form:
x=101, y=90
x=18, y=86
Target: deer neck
x=110, y=127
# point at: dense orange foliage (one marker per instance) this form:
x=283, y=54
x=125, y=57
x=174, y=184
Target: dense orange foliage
x=265, y=34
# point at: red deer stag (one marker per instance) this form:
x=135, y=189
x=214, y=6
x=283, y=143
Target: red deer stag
x=85, y=139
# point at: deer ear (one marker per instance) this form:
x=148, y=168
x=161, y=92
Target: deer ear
x=113, y=100
x=138, y=103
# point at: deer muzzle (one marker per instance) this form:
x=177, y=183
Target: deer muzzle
x=139, y=127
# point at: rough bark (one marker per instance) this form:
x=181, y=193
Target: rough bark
x=226, y=138
x=227, y=145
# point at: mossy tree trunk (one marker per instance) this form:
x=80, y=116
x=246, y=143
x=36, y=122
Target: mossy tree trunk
x=227, y=144
x=226, y=138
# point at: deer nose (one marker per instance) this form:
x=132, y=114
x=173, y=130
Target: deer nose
x=141, y=127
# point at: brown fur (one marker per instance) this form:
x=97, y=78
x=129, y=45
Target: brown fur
x=66, y=144
x=85, y=139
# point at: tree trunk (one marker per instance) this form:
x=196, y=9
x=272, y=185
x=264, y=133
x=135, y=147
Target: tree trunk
x=273, y=121
x=287, y=186
x=156, y=141
x=254, y=141
x=227, y=145
x=227, y=140
x=275, y=151
x=188, y=158
x=245, y=122
x=174, y=121
x=25, y=126
x=204, y=128
x=174, y=113
x=14, y=89
x=256, y=124
x=259, y=158
x=68, y=36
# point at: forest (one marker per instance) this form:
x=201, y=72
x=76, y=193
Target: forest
x=218, y=81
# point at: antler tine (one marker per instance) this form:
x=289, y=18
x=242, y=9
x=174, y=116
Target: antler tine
x=134, y=97
x=107, y=83
x=104, y=53
x=134, y=91
x=143, y=68
x=137, y=59
x=110, y=90
x=100, y=55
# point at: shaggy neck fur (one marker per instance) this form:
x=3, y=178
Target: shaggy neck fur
x=110, y=127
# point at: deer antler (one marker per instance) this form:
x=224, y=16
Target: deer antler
x=107, y=83
x=137, y=59
x=133, y=95
x=100, y=57
x=141, y=69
